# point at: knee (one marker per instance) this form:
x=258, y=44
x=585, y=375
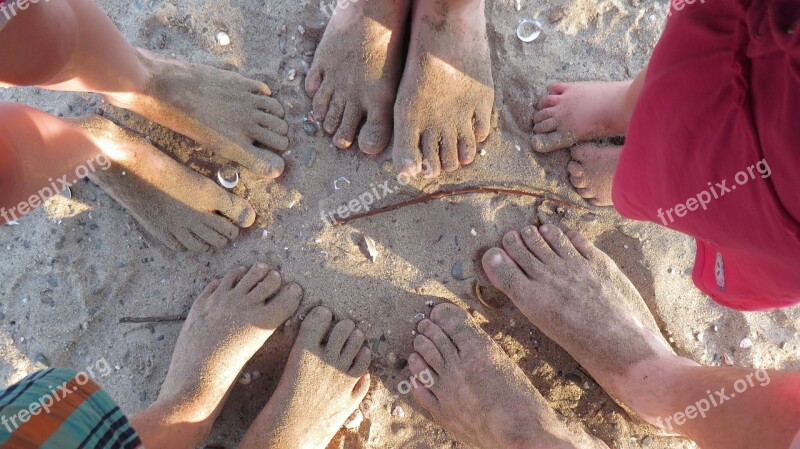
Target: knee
x=38, y=42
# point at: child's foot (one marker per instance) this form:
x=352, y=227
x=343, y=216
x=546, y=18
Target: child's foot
x=476, y=392
x=324, y=381
x=445, y=101
x=227, y=325
x=181, y=208
x=576, y=295
x=591, y=172
x=221, y=110
x=356, y=71
x=577, y=112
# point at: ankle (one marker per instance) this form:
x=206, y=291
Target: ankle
x=649, y=385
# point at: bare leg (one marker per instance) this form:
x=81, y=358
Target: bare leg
x=577, y=112
x=446, y=96
x=228, y=323
x=476, y=392
x=322, y=385
x=565, y=285
x=71, y=45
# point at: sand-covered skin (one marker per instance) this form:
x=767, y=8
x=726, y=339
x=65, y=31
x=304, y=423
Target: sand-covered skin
x=73, y=269
x=591, y=171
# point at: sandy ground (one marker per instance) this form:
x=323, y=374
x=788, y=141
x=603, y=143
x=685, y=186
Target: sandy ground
x=72, y=269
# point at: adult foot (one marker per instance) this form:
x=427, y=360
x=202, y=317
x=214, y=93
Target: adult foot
x=591, y=172
x=577, y=295
x=477, y=392
x=324, y=381
x=356, y=72
x=577, y=112
x=229, y=322
x=178, y=206
x=221, y=110
x=445, y=101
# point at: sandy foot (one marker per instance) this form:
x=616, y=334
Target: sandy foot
x=324, y=381
x=591, y=172
x=576, y=112
x=181, y=208
x=478, y=393
x=445, y=100
x=577, y=295
x=221, y=110
x=229, y=322
x=356, y=72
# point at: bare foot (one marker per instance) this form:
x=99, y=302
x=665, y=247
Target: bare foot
x=591, y=172
x=228, y=324
x=576, y=295
x=324, y=381
x=221, y=110
x=181, y=208
x=577, y=112
x=445, y=100
x=356, y=72
x=478, y=393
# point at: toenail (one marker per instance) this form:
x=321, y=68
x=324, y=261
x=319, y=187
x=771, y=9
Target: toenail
x=546, y=229
x=528, y=230
x=424, y=324
x=261, y=265
x=497, y=259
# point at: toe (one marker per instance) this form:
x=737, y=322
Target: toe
x=313, y=80
x=272, y=122
x=584, y=246
x=351, y=347
x=209, y=235
x=269, y=105
x=283, y=305
x=191, y=241
x=315, y=326
x=236, y=209
x=334, y=116
x=579, y=182
x=546, y=126
x=376, y=133
x=547, y=101
x=257, y=87
x=337, y=338
x=483, y=124
x=537, y=245
x=351, y=120
x=557, y=88
x=419, y=368
x=585, y=193
x=322, y=101
x=558, y=241
x=467, y=147
x=431, y=163
x=231, y=279
x=545, y=143
x=516, y=249
x=504, y=273
x=269, y=139
x=543, y=115
x=425, y=347
x=455, y=324
x=449, y=152
x=424, y=396
x=266, y=287
x=209, y=290
x=254, y=275
x=361, y=363
x=222, y=226
x=575, y=168
x=406, y=155
x=167, y=239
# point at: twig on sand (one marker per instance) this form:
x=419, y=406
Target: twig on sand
x=458, y=192
x=154, y=319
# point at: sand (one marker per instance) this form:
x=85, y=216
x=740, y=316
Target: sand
x=72, y=269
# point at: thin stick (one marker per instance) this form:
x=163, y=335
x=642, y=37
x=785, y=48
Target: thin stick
x=457, y=192
x=154, y=319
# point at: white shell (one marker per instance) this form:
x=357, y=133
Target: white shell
x=222, y=38
x=226, y=181
x=528, y=30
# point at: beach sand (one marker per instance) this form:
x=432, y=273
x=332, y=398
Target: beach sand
x=74, y=268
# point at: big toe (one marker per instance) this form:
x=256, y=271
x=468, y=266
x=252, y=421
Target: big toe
x=375, y=135
x=503, y=272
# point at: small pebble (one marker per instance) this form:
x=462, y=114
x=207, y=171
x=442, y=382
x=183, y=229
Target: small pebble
x=292, y=74
x=728, y=359
x=222, y=38
x=746, y=343
x=398, y=412
x=458, y=271
x=646, y=440
x=245, y=379
x=482, y=152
